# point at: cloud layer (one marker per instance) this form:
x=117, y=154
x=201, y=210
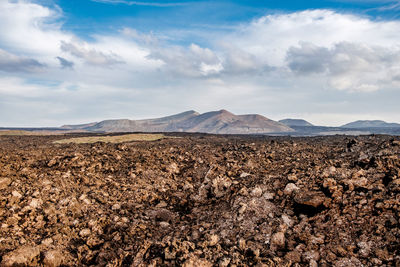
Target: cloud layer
x=303, y=63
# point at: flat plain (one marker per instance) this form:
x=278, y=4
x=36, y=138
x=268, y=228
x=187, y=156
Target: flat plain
x=200, y=200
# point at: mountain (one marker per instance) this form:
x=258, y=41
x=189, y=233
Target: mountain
x=225, y=122
x=295, y=122
x=370, y=124
x=217, y=122
x=165, y=124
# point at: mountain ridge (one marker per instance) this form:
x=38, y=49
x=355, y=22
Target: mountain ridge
x=216, y=122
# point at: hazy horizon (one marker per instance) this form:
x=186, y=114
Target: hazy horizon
x=71, y=62
x=165, y=115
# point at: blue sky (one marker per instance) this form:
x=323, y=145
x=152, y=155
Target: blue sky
x=75, y=61
x=98, y=16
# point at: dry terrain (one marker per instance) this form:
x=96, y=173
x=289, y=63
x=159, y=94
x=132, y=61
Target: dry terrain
x=200, y=200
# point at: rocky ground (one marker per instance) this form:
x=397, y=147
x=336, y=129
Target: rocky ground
x=201, y=201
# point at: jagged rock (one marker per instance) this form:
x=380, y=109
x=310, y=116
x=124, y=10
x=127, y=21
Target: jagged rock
x=213, y=240
x=196, y=262
x=290, y=188
x=256, y=192
x=53, y=258
x=23, y=256
x=348, y=262
x=278, y=240
x=84, y=232
x=4, y=182
x=311, y=199
x=16, y=194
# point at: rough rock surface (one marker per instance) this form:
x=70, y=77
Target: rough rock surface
x=201, y=200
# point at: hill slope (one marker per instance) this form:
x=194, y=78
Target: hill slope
x=295, y=122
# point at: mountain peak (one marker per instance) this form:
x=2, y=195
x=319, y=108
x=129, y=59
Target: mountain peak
x=224, y=111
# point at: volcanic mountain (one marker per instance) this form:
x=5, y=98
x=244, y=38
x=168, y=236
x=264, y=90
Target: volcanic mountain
x=370, y=124
x=217, y=122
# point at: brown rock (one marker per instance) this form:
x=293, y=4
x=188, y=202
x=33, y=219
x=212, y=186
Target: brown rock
x=278, y=240
x=196, y=262
x=290, y=188
x=4, y=183
x=24, y=256
x=293, y=256
x=213, y=240
x=84, y=232
x=292, y=177
x=221, y=186
x=256, y=192
x=53, y=258
x=173, y=168
x=312, y=199
x=346, y=262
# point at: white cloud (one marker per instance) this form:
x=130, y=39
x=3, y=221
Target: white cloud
x=270, y=37
x=148, y=39
x=30, y=28
x=89, y=55
x=350, y=52
x=193, y=61
x=348, y=66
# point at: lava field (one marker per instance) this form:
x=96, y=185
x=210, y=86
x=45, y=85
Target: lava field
x=201, y=200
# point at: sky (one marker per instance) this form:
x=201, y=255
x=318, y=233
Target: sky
x=78, y=61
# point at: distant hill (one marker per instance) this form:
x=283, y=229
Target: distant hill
x=370, y=124
x=218, y=122
x=78, y=126
x=295, y=122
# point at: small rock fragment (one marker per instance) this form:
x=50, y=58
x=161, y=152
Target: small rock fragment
x=290, y=188
x=4, y=183
x=116, y=207
x=53, y=258
x=312, y=199
x=213, y=240
x=84, y=232
x=256, y=192
x=346, y=262
x=293, y=256
x=286, y=219
x=244, y=174
x=196, y=262
x=164, y=224
x=35, y=203
x=173, y=168
x=292, y=177
x=16, y=194
x=47, y=241
x=278, y=240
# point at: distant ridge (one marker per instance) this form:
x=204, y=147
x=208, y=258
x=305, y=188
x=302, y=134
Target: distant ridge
x=370, y=124
x=217, y=122
x=295, y=122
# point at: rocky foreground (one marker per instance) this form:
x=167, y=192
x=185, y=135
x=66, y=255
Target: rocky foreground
x=201, y=201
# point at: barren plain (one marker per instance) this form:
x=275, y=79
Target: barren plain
x=200, y=200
